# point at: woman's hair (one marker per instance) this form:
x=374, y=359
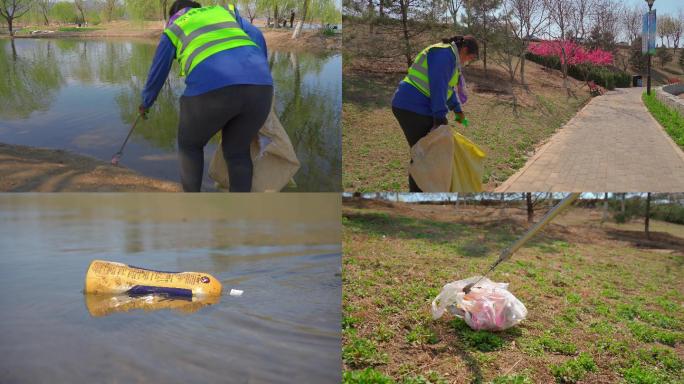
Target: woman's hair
x=464, y=41
x=180, y=4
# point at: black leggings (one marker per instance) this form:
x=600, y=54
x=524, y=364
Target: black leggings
x=239, y=112
x=415, y=127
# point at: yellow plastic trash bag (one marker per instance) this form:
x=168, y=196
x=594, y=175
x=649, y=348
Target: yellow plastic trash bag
x=274, y=158
x=468, y=165
x=446, y=161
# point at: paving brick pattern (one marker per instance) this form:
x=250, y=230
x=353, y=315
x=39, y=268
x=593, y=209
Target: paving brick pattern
x=612, y=145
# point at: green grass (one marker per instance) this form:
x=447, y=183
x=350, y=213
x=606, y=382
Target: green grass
x=359, y=352
x=483, y=341
x=553, y=344
x=371, y=376
x=574, y=370
x=670, y=119
x=366, y=376
x=512, y=379
x=640, y=374
x=602, y=299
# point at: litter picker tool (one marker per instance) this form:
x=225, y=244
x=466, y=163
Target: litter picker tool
x=117, y=156
x=508, y=252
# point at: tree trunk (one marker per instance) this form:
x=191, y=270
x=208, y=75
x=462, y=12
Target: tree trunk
x=275, y=17
x=404, y=24
x=605, y=208
x=530, y=207
x=300, y=24
x=484, y=43
x=648, y=214
x=371, y=9
x=522, y=69
x=9, y=25
x=622, y=204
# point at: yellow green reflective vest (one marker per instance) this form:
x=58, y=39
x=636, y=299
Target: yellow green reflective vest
x=418, y=72
x=202, y=32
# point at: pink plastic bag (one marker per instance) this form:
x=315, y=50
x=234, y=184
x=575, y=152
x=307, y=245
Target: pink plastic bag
x=488, y=306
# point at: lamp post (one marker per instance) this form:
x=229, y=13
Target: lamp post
x=648, y=81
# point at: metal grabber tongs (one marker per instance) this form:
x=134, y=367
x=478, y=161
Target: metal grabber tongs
x=508, y=252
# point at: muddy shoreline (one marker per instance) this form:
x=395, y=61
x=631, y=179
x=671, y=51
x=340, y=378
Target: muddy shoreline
x=311, y=41
x=29, y=169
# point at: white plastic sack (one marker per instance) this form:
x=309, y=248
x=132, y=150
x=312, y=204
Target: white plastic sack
x=489, y=305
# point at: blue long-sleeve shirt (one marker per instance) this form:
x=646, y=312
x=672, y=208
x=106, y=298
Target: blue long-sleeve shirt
x=441, y=65
x=241, y=65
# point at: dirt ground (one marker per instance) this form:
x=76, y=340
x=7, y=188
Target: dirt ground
x=604, y=302
x=27, y=169
x=275, y=38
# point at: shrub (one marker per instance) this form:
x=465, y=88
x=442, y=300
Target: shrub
x=607, y=77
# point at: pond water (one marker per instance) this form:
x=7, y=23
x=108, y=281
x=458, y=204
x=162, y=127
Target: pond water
x=83, y=95
x=284, y=255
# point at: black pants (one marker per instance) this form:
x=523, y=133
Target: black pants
x=415, y=127
x=238, y=111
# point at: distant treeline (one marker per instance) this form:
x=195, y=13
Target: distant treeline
x=93, y=12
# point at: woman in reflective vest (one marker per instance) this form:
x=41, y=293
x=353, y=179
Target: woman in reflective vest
x=433, y=86
x=229, y=87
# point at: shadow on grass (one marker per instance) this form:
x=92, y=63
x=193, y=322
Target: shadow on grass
x=369, y=90
x=657, y=240
x=482, y=341
x=468, y=239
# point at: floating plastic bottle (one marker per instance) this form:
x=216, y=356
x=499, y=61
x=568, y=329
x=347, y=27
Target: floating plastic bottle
x=107, y=277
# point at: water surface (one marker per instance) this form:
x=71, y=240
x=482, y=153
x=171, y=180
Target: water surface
x=282, y=250
x=83, y=96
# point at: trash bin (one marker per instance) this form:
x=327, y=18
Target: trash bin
x=636, y=81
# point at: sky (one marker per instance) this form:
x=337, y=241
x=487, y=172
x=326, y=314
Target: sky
x=662, y=6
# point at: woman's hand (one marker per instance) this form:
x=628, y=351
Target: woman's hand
x=143, y=111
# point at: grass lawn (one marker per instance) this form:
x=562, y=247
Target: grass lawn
x=604, y=307
x=670, y=119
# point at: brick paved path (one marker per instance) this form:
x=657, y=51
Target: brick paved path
x=612, y=145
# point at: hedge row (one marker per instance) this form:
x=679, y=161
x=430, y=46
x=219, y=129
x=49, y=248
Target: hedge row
x=608, y=78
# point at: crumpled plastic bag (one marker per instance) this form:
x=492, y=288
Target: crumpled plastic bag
x=489, y=305
x=274, y=158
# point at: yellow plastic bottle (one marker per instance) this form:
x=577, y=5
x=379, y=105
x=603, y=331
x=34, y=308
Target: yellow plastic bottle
x=117, y=278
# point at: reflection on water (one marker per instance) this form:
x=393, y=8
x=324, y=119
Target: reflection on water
x=105, y=305
x=83, y=95
x=282, y=250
